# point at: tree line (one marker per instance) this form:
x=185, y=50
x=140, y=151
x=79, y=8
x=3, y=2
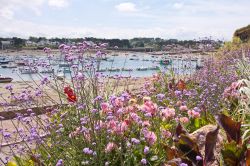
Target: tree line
x=121, y=43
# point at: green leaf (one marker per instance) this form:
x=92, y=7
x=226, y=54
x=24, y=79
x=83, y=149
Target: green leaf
x=232, y=154
x=196, y=122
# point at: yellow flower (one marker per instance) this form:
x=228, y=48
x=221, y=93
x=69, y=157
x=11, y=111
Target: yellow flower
x=11, y=163
x=31, y=162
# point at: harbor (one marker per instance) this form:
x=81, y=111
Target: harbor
x=32, y=67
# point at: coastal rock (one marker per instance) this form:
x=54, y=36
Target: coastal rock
x=200, y=137
x=243, y=33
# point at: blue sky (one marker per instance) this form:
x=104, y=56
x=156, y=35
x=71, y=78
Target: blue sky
x=181, y=19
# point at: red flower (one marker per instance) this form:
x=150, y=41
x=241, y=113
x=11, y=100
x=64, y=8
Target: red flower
x=68, y=89
x=70, y=93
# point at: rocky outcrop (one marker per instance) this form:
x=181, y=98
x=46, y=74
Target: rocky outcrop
x=200, y=137
x=243, y=33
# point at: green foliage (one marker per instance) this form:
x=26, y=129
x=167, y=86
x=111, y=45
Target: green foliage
x=232, y=154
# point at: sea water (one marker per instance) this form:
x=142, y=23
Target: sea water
x=178, y=66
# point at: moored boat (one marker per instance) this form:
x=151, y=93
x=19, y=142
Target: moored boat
x=20, y=63
x=165, y=61
x=101, y=70
x=66, y=70
x=47, y=71
x=142, y=69
x=64, y=65
x=60, y=76
x=28, y=70
x=10, y=66
x=154, y=68
x=5, y=79
x=127, y=69
x=136, y=59
x=114, y=69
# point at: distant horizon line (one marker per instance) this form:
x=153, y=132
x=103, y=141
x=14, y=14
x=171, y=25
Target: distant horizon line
x=195, y=39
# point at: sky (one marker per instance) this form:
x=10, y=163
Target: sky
x=123, y=19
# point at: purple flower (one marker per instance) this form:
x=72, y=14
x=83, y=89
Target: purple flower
x=146, y=150
x=80, y=76
x=148, y=115
x=99, y=54
x=44, y=81
x=135, y=141
x=143, y=161
x=93, y=111
x=183, y=164
x=87, y=151
x=59, y=162
x=160, y=96
x=98, y=98
x=198, y=158
x=6, y=135
x=9, y=87
x=178, y=93
x=81, y=107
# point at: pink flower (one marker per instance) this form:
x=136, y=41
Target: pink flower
x=121, y=128
x=118, y=102
x=184, y=120
x=178, y=103
x=196, y=114
x=112, y=124
x=75, y=133
x=168, y=113
x=150, y=137
x=105, y=107
x=110, y=147
x=146, y=124
x=150, y=107
x=193, y=114
x=166, y=133
x=183, y=108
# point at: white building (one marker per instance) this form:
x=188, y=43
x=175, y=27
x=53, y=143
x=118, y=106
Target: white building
x=5, y=44
x=30, y=43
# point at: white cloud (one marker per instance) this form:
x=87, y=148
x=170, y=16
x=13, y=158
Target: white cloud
x=8, y=8
x=6, y=13
x=10, y=28
x=58, y=3
x=178, y=5
x=126, y=7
